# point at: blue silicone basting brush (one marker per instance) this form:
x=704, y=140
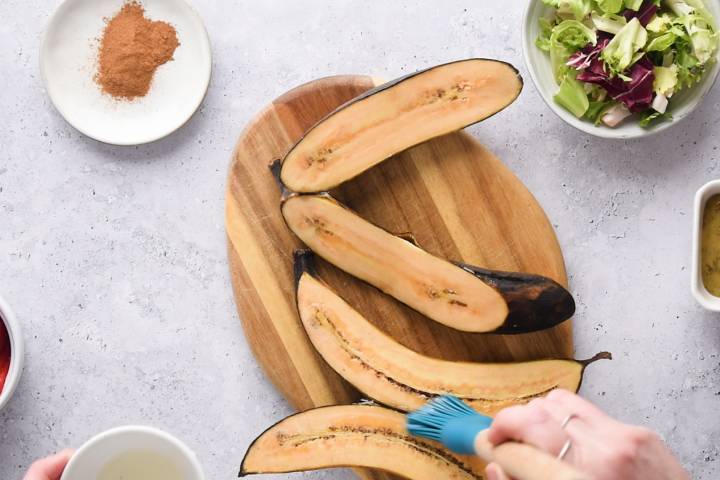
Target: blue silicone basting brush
x=461, y=429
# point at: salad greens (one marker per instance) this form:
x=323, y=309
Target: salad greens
x=666, y=79
x=624, y=48
x=633, y=4
x=610, y=6
x=563, y=39
x=572, y=96
x=609, y=23
x=613, y=58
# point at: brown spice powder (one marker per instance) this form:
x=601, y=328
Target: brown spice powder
x=131, y=49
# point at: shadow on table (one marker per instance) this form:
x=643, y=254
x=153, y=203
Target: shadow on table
x=160, y=150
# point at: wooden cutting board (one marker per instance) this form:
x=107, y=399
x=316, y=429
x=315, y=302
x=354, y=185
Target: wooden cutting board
x=456, y=197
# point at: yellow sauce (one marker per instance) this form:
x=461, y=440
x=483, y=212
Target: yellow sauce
x=710, y=246
x=140, y=465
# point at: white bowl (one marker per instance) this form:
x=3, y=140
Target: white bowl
x=90, y=459
x=704, y=298
x=17, y=353
x=538, y=64
x=68, y=58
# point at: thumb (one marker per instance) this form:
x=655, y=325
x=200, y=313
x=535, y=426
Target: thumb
x=494, y=472
x=50, y=468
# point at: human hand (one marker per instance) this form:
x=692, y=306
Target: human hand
x=601, y=447
x=50, y=468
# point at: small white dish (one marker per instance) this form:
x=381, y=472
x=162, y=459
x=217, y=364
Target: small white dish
x=538, y=64
x=90, y=459
x=68, y=57
x=704, y=298
x=17, y=352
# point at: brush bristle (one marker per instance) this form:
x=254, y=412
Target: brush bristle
x=430, y=420
x=450, y=421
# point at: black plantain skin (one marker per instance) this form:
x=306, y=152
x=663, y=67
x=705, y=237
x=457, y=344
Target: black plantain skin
x=534, y=302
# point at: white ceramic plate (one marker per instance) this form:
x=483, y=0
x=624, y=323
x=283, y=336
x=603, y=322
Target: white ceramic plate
x=538, y=63
x=17, y=352
x=68, y=58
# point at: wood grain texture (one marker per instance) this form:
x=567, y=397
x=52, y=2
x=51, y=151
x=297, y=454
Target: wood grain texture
x=457, y=199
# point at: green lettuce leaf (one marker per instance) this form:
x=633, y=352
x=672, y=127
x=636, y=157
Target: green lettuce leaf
x=566, y=38
x=595, y=93
x=668, y=58
x=608, y=22
x=572, y=96
x=566, y=9
x=661, y=43
x=690, y=7
x=666, y=80
x=610, y=6
x=650, y=117
x=689, y=69
x=704, y=40
x=578, y=9
x=633, y=4
x=699, y=25
x=543, y=40
x=596, y=109
x=624, y=49
x=659, y=23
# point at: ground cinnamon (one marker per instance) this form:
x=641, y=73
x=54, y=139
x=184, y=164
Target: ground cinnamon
x=131, y=49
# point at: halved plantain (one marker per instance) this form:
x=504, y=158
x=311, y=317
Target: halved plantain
x=394, y=375
x=354, y=436
x=395, y=116
x=458, y=296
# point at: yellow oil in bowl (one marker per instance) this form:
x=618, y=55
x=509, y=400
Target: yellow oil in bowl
x=140, y=465
x=710, y=246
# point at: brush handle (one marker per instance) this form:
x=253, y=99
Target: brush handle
x=525, y=462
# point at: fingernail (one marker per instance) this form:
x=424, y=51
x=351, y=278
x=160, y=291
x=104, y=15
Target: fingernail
x=492, y=472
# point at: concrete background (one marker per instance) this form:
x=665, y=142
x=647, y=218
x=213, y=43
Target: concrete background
x=114, y=258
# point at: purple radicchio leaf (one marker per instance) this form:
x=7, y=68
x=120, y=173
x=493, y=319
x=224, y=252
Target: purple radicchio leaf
x=584, y=58
x=647, y=11
x=639, y=93
x=636, y=94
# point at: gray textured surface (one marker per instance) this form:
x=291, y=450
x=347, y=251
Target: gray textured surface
x=114, y=258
